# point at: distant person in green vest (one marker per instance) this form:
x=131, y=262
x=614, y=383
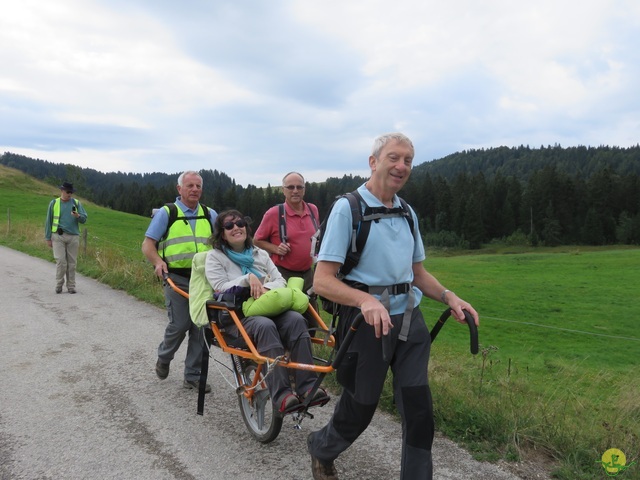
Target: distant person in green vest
x=62, y=233
x=176, y=233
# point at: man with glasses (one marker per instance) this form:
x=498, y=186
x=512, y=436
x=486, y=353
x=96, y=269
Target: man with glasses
x=62, y=233
x=170, y=243
x=286, y=230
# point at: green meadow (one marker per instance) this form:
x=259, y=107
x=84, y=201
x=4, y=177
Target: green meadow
x=557, y=371
x=556, y=379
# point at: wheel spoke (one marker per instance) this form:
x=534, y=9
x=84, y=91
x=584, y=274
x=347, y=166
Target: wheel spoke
x=258, y=412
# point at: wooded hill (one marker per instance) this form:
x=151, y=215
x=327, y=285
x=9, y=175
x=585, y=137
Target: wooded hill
x=550, y=195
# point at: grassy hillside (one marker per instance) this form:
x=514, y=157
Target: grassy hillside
x=559, y=336
x=111, y=252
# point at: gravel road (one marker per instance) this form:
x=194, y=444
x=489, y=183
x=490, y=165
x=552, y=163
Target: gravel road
x=79, y=399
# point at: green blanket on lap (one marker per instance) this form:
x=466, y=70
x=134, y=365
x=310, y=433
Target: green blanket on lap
x=278, y=300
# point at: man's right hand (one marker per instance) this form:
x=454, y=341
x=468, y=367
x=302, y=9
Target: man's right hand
x=160, y=269
x=376, y=315
x=151, y=252
x=283, y=249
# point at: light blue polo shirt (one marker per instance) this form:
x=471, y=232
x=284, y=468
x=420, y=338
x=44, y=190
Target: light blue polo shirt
x=388, y=255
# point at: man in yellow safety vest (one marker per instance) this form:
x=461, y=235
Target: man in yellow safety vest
x=176, y=233
x=62, y=233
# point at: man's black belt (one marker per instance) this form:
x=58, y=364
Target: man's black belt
x=397, y=289
x=183, y=272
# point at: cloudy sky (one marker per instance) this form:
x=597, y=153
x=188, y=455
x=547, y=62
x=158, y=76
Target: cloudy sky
x=258, y=88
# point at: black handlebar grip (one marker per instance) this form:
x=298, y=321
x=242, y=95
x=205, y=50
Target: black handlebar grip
x=473, y=329
x=473, y=333
x=347, y=340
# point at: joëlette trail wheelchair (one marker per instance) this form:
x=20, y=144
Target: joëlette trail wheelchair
x=249, y=368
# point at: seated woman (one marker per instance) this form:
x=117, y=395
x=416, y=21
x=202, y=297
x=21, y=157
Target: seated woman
x=235, y=261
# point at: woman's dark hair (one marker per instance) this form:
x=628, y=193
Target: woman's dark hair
x=217, y=238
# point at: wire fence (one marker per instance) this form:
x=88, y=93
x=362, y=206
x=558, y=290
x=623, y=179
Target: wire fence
x=553, y=327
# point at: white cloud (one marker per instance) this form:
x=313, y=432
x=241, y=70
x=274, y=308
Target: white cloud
x=256, y=89
x=82, y=58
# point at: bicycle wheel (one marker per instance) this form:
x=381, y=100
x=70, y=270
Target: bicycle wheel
x=260, y=416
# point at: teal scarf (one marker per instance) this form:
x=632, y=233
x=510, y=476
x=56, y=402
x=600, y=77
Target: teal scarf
x=243, y=259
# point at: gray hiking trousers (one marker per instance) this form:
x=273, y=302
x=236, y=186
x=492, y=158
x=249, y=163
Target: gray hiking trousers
x=179, y=325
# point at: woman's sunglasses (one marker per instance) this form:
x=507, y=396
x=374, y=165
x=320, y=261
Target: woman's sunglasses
x=238, y=223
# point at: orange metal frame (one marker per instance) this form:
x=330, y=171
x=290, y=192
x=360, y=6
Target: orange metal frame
x=251, y=352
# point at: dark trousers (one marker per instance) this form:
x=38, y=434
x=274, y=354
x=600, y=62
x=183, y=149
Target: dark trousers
x=362, y=375
x=272, y=336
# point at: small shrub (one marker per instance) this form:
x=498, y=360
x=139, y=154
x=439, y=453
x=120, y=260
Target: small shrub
x=517, y=238
x=445, y=239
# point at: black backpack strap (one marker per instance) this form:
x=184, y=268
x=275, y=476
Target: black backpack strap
x=408, y=216
x=313, y=217
x=361, y=225
x=359, y=232
x=282, y=223
x=207, y=212
x=173, y=215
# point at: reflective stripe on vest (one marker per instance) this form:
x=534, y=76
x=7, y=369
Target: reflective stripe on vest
x=181, y=243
